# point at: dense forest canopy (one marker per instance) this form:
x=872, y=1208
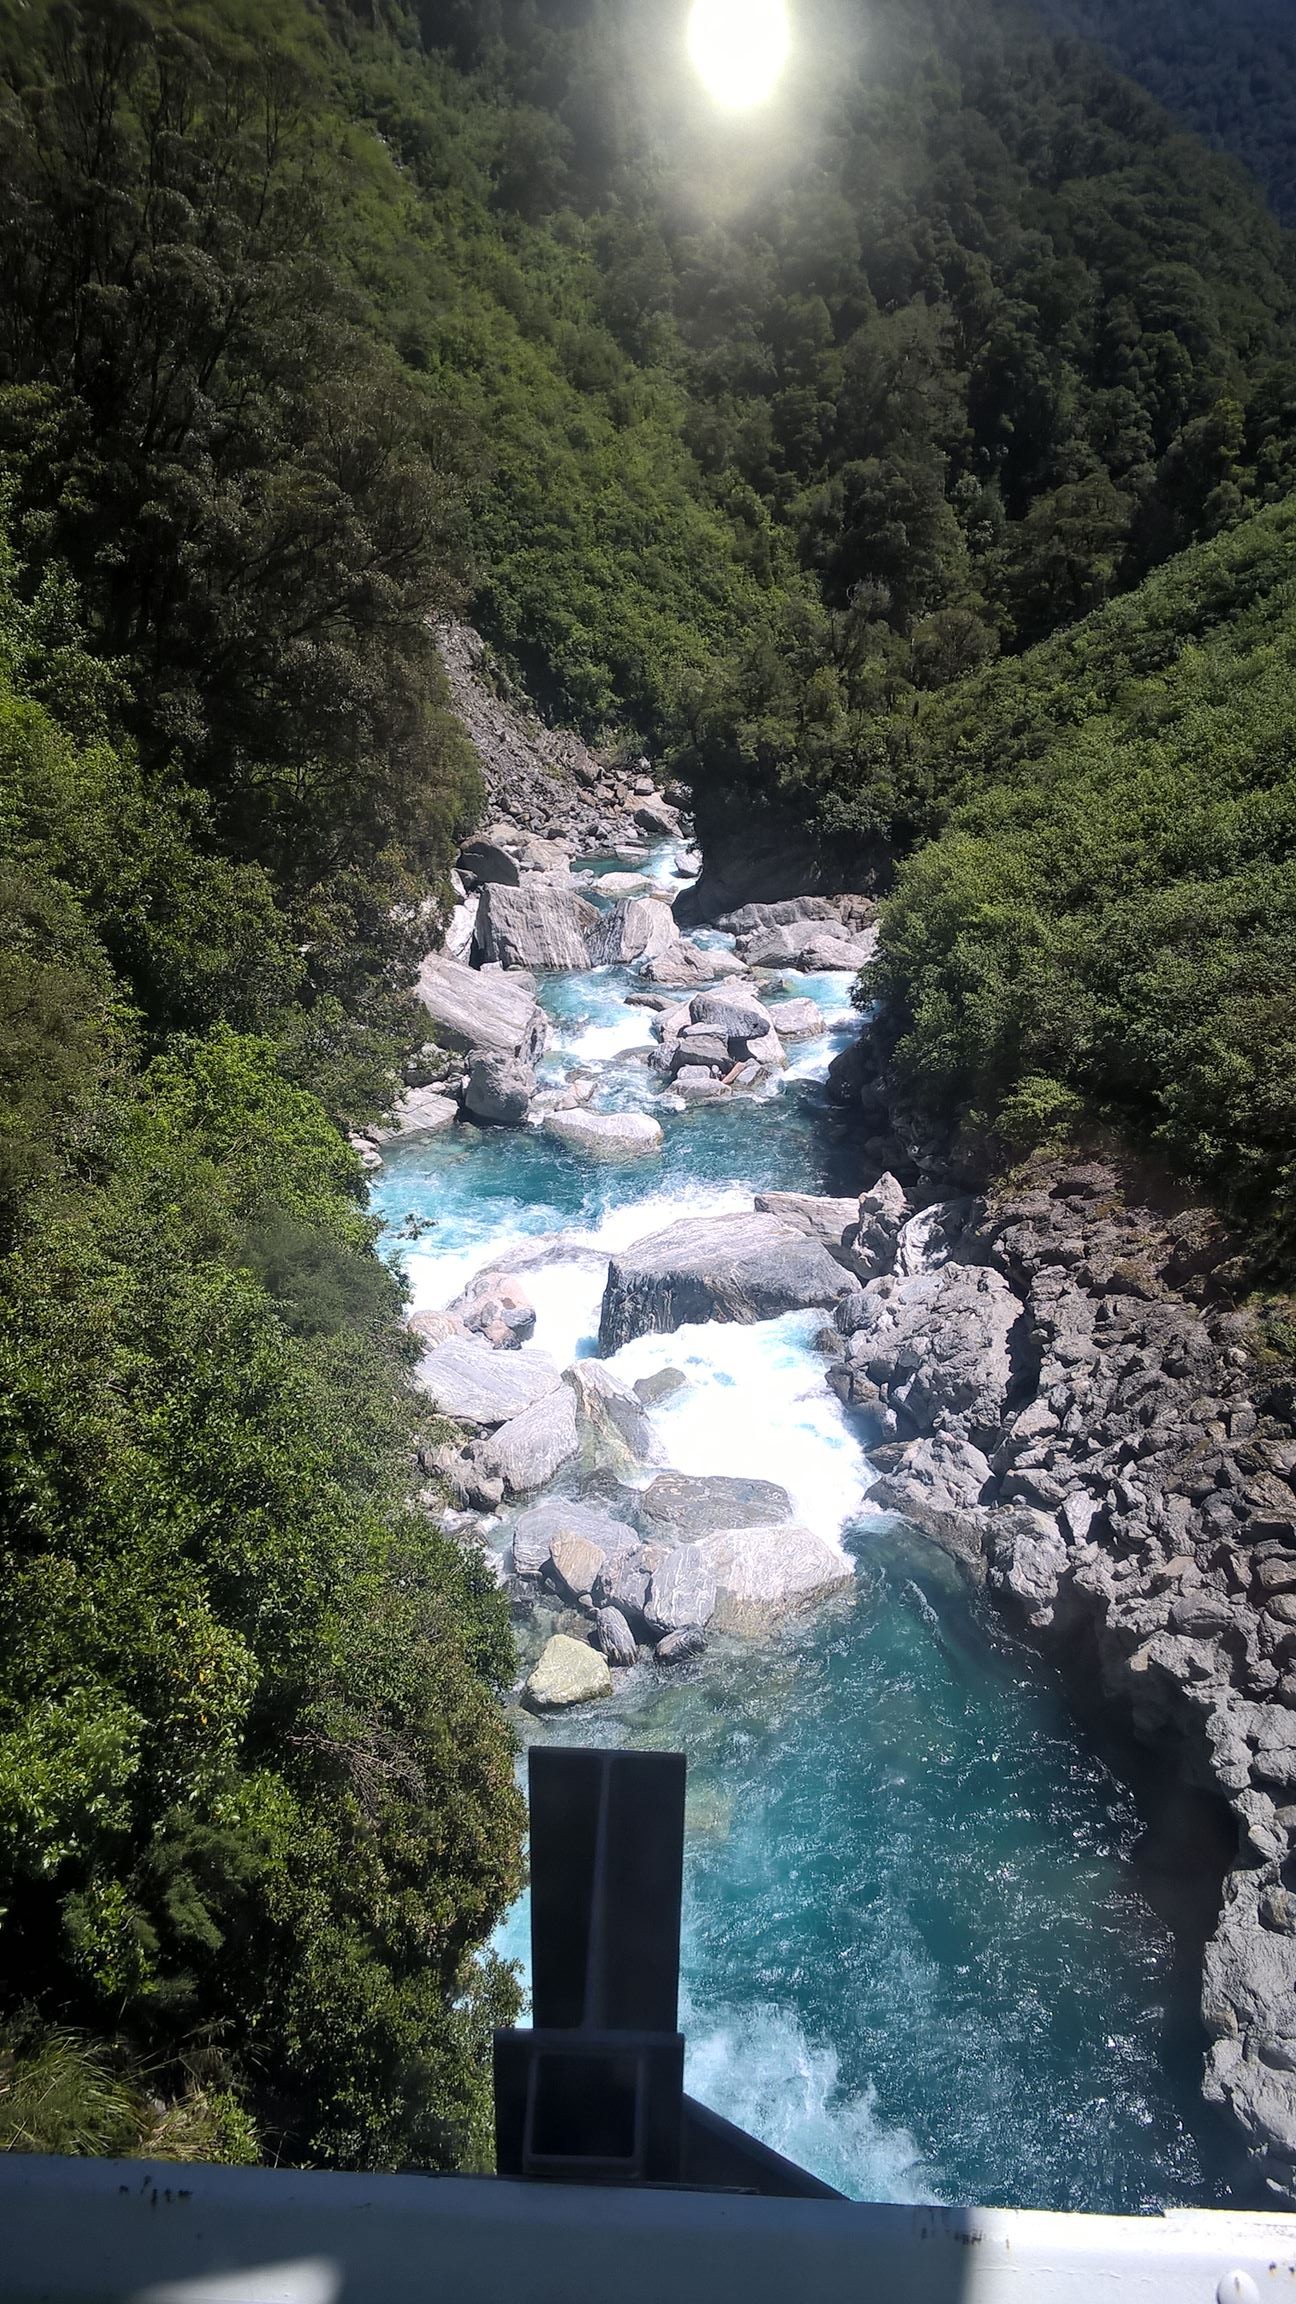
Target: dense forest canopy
x=832, y=456
x=1229, y=72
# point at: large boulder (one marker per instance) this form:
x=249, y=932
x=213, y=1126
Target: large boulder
x=541, y=924
x=682, y=962
x=632, y=930
x=938, y=1347
x=535, y=1530
x=683, y=1590
x=614, y=1637
x=681, y=1506
x=465, y=1380
x=615, y=1432
x=473, y=1009
x=763, y=1575
x=796, y=1020
x=525, y=1453
x=790, y=912
x=569, y=1672
x=657, y=817
x=499, y=1089
x=733, y=1267
x=737, y=1017
x=486, y=863
x=834, y=1222
x=823, y=955
x=606, y=1135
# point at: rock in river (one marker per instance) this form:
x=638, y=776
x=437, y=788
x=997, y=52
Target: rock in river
x=542, y=924
x=527, y=1451
x=631, y=931
x=765, y=1574
x=740, y=1267
x=535, y=1531
x=569, y=1672
x=606, y=1135
x=464, y=1379
x=682, y=1505
x=499, y=1090
x=472, y=1008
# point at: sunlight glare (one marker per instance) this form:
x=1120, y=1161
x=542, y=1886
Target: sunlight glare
x=739, y=48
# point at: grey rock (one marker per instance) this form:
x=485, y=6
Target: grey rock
x=733, y=1016
x=540, y=924
x=633, y=930
x=654, y=816
x=938, y=1346
x=939, y=1484
x=499, y=1090
x=574, y=1565
x=615, y=1637
x=615, y=1433
x=796, y=1020
x=418, y=1112
x=716, y=1268
x=606, y=1135
x=527, y=1451
x=763, y=1575
x=677, y=1647
x=496, y=1307
x=473, y=1011
x=535, y=1529
x=683, y=1589
x=663, y=1384
x=685, y=963
x=834, y=1222
x=468, y=1382
x=685, y=1505
x=483, y=861
x=788, y=912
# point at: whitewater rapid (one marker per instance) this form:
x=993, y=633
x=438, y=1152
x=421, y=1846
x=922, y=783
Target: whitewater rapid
x=915, y=1954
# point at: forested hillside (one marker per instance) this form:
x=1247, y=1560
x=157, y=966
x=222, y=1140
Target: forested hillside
x=1106, y=927
x=1227, y=72
x=787, y=449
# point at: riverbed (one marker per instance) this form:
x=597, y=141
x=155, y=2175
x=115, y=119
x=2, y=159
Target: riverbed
x=917, y=1956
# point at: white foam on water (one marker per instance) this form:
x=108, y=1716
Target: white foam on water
x=757, y=2068
x=567, y=1293
x=756, y=1403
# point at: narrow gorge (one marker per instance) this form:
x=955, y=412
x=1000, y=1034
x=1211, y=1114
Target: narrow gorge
x=949, y=1535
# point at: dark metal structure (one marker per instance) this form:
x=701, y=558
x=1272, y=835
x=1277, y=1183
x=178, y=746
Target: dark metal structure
x=594, y=2093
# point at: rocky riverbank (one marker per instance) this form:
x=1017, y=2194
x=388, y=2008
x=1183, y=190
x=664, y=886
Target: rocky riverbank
x=1059, y=1402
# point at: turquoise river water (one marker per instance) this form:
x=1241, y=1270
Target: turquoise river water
x=917, y=1957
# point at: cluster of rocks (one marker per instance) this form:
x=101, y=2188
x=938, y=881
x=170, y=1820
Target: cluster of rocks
x=808, y=933
x=1090, y=1440
x=658, y=1569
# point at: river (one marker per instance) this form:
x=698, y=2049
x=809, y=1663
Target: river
x=917, y=1957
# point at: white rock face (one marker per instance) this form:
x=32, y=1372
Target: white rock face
x=470, y=1008
x=569, y=1672
x=466, y=1380
x=606, y=1135
x=541, y=924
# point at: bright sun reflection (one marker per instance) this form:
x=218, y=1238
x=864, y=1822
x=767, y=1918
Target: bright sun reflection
x=739, y=48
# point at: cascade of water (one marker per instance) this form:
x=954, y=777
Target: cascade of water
x=915, y=1954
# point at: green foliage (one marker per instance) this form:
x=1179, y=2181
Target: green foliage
x=1229, y=73
x=1109, y=917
